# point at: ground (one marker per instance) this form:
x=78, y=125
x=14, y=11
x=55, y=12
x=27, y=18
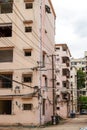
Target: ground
x=69, y=124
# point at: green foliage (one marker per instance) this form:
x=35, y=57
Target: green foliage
x=81, y=76
x=83, y=102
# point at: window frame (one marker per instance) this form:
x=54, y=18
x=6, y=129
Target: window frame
x=27, y=106
x=25, y=76
x=28, y=5
x=28, y=29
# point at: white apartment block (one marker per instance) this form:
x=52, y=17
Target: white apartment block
x=81, y=63
x=73, y=89
x=63, y=79
x=27, y=30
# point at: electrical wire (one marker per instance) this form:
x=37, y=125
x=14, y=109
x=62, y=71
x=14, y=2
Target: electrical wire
x=33, y=30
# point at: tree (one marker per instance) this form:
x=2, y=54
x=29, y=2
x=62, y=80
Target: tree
x=83, y=102
x=81, y=77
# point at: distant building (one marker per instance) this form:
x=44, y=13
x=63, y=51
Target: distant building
x=81, y=63
x=63, y=79
x=73, y=89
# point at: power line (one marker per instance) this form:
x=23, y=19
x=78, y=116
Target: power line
x=24, y=19
x=9, y=43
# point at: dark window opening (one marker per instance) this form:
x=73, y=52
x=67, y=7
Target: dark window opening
x=57, y=48
x=83, y=68
x=43, y=107
x=5, y=80
x=5, y=107
x=6, y=31
x=58, y=108
x=44, y=57
x=57, y=83
x=27, y=78
x=64, y=84
x=28, y=29
x=27, y=53
x=27, y=106
x=47, y=9
x=28, y=5
x=66, y=72
x=6, y=55
x=6, y=6
x=64, y=96
x=46, y=82
x=71, y=84
x=64, y=48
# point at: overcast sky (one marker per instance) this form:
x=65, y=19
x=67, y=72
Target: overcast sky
x=71, y=25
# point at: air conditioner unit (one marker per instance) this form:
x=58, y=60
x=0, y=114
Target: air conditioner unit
x=17, y=89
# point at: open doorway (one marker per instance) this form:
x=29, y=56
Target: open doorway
x=5, y=106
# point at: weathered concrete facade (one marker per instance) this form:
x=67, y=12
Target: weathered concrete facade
x=63, y=79
x=27, y=30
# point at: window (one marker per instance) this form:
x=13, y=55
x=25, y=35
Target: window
x=74, y=63
x=66, y=72
x=83, y=62
x=65, y=96
x=44, y=58
x=58, y=108
x=28, y=29
x=27, y=52
x=27, y=106
x=83, y=68
x=64, y=84
x=27, y=78
x=47, y=9
x=58, y=48
x=6, y=30
x=57, y=83
x=6, y=6
x=64, y=48
x=28, y=5
x=6, y=55
x=5, y=80
x=71, y=84
x=5, y=107
x=43, y=107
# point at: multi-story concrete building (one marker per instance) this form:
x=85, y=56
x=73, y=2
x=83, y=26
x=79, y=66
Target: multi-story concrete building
x=63, y=79
x=27, y=30
x=73, y=89
x=81, y=63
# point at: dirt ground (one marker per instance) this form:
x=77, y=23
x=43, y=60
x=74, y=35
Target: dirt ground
x=69, y=124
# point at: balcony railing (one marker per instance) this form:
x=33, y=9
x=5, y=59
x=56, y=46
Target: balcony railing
x=66, y=72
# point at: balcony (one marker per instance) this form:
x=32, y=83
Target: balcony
x=66, y=72
x=66, y=61
x=6, y=7
x=65, y=84
x=65, y=96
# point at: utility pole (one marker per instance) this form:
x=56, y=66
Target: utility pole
x=53, y=84
x=72, y=99
x=54, y=117
x=40, y=78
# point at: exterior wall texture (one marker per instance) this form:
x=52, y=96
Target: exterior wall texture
x=62, y=79
x=30, y=100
